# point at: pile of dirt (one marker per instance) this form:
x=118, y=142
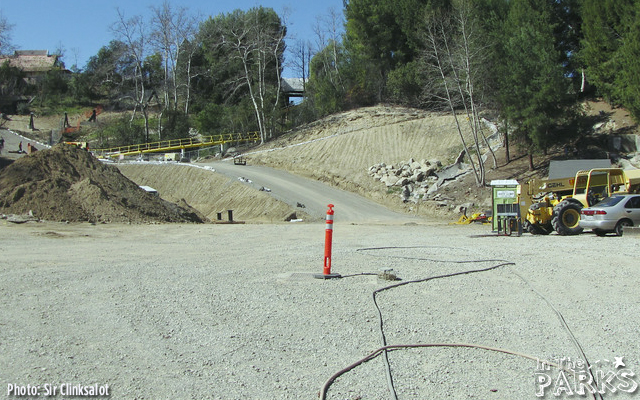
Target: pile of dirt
x=68, y=184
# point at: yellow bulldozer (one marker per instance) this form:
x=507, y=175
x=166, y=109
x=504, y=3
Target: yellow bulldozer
x=548, y=205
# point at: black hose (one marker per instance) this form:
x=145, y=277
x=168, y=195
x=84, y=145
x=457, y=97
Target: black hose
x=385, y=348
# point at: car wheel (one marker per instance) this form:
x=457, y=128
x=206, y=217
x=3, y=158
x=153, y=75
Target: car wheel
x=599, y=232
x=620, y=226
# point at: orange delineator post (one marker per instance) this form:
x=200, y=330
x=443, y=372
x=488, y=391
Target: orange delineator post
x=328, y=239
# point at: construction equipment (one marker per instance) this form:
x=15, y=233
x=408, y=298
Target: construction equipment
x=548, y=205
x=479, y=217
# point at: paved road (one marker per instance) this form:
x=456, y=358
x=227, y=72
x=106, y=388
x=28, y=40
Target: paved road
x=315, y=196
x=11, y=142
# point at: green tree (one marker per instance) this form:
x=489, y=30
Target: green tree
x=492, y=24
x=52, y=87
x=209, y=120
x=605, y=25
x=81, y=88
x=382, y=36
x=611, y=47
x=120, y=132
x=12, y=81
x=245, y=51
x=627, y=82
x=108, y=71
x=534, y=88
x=175, y=125
x=326, y=89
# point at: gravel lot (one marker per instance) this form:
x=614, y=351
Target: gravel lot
x=232, y=312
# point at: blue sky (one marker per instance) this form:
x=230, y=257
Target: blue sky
x=81, y=28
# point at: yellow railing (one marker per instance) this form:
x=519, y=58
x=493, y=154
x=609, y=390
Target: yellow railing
x=178, y=144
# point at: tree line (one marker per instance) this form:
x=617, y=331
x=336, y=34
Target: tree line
x=528, y=61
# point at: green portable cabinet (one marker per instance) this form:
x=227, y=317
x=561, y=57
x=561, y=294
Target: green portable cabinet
x=504, y=191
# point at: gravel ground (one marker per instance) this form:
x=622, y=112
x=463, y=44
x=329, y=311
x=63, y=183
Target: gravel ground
x=232, y=311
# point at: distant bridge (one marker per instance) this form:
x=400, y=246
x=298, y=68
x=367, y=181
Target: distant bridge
x=167, y=146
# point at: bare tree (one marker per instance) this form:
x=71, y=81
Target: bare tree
x=5, y=35
x=132, y=32
x=301, y=58
x=187, y=30
x=163, y=40
x=75, y=51
x=256, y=40
x=171, y=34
x=173, y=31
x=454, y=52
x=328, y=31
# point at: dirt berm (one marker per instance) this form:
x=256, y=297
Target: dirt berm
x=211, y=193
x=68, y=184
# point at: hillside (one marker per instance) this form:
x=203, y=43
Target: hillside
x=210, y=193
x=340, y=149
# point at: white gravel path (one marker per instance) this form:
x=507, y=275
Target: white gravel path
x=231, y=311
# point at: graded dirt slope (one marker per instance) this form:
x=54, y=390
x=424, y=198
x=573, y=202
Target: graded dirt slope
x=339, y=149
x=210, y=193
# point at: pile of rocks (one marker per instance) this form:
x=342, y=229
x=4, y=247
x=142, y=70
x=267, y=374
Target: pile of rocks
x=413, y=177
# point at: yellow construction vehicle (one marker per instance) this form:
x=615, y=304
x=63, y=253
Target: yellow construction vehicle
x=479, y=217
x=548, y=205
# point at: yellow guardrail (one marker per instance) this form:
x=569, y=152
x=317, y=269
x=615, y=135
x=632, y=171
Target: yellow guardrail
x=177, y=144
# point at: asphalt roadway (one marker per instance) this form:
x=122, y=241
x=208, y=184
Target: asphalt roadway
x=315, y=196
x=12, y=142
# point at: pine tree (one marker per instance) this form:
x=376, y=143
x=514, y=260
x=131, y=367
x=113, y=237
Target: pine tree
x=533, y=84
x=604, y=31
x=611, y=49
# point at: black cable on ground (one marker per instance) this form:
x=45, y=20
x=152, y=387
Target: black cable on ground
x=382, y=350
x=564, y=324
x=392, y=390
x=385, y=348
x=360, y=274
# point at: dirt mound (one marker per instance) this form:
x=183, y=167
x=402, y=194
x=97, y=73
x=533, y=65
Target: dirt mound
x=68, y=184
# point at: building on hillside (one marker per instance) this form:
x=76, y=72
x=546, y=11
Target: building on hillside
x=292, y=87
x=34, y=63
